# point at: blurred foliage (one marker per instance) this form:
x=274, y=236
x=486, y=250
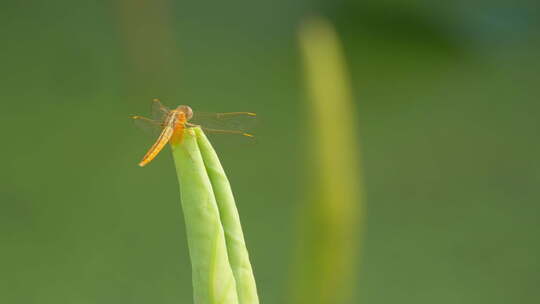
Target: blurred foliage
x=448, y=101
x=329, y=219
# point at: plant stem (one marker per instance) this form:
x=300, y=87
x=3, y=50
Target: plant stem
x=220, y=261
x=213, y=280
x=234, y=237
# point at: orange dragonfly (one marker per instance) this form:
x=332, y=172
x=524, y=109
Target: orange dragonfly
x=172, y=123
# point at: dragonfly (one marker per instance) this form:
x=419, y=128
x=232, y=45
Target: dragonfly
x=171, y=124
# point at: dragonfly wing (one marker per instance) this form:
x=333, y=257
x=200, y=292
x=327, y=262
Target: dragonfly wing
x=159, y=111
x=232, y=122
x=149, y=126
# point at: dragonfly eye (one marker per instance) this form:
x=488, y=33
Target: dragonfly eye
x=187, y=111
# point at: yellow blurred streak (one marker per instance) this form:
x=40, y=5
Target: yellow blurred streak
x=327, y=257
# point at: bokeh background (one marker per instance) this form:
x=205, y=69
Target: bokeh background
x=447, y=96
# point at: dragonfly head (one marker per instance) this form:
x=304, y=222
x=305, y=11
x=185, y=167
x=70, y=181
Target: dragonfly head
x=186, y=110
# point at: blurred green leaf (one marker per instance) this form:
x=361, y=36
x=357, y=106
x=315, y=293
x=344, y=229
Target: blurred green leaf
x=328, y=246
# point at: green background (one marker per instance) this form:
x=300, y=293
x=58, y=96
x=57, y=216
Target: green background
x=448, y=100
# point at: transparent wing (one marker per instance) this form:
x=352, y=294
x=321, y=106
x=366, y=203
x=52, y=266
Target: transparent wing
x=241, y=123
x=149, y=126
x=159, y=111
